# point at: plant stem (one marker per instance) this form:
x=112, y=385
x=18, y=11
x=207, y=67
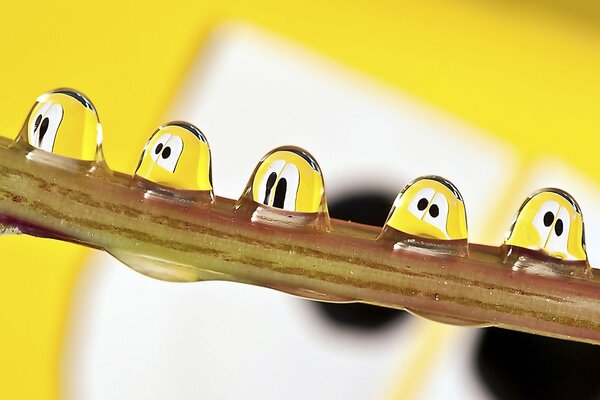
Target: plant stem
x=175, y=239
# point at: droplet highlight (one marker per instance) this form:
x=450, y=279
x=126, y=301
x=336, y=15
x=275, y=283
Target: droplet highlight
x=64, y=122
x=287, y=188
x=428, y=215
x=177, y=156
x=550, y=222
x=9, y=229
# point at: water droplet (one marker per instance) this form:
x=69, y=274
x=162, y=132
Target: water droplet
x=436, y=297
x=550, y=221
x=547, y=236
x=177, y=156
x=429, y=216
x=164, y=270
x=64, y=122
x=286, y=189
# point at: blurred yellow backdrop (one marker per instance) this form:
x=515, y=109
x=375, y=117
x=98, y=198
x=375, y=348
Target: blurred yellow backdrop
x=524, y=71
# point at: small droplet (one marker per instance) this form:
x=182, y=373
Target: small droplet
x=429, y=214
x=436, y=297
x=549, y=222
x=8, y=229
x=286, y=188
x=164, y=270
x=177, y=156
x=66, y=123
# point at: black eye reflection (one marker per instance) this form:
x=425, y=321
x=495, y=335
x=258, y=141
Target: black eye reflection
x=166, y=151
x=270, y=183
x=548, y=219
x=559, y=227
x=37, y=122
x=280, y=191
x=434, y=210
x=44, y=128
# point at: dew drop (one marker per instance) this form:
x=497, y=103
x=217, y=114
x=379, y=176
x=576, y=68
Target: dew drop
x=286, y=189
x=64, y=122
x=176, y=161
x=428, y=216
x=164, y=270
x=547, y=235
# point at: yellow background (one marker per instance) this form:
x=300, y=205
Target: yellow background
x=527, y=72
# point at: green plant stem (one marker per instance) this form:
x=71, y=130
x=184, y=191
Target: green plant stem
x=180, y=240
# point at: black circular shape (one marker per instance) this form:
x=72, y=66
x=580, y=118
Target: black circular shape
x=434, y=211
x=422, y=204
x=371, y=209
x=559, y=227
x=363, y=207
x=548, y=218
x=158, y=148
x=166, y=153
x=515, y=365
x=364, y=317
